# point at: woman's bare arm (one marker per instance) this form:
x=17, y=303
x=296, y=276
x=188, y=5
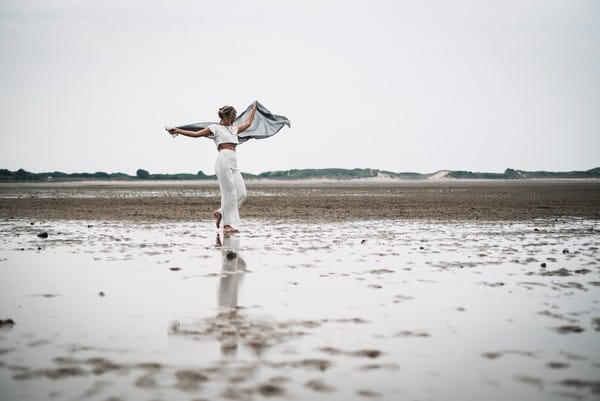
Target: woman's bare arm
x=193, y=134
x=243, y=127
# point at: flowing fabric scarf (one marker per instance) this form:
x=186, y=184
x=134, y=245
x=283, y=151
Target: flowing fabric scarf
x=264, y=125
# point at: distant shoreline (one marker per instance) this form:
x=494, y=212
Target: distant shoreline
x=271, y=182
x=325, y=175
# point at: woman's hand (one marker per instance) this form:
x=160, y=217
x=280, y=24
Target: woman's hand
x=243, y=127
x=173, y=131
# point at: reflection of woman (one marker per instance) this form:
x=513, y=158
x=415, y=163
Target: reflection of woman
x=231, y=271
x=231, y=183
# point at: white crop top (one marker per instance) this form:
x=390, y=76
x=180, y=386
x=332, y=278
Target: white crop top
x=223, y=134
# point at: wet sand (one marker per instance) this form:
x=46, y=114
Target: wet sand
x=317, y=308
x=442, y=200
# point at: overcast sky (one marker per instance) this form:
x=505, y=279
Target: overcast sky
x=396, y=85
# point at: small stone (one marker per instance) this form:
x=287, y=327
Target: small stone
x=269, y=390
x=536, y=229
x=101, y=294
x=568, y=329
x=39, y=248
x=363, y=241
x=43, y=234
x=421, y=247
x=557, y=365
x=368, y=353
x=565, y=251
x=7, y=322
x=492, y=355
x=175, y=269
x=32, y=223
x=543, y=264
x=90, y=225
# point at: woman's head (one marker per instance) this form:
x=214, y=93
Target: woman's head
x=227, y=114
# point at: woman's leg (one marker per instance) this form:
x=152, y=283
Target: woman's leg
x=240, y=187
x=229, y=207
x=242, y=194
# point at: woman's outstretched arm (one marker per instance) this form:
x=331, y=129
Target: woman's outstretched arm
x=193, y=134
x=243, y=127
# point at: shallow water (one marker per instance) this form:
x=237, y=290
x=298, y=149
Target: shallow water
x=337, y=311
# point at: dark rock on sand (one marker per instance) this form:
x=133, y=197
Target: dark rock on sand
x=101, y=294
x=565, y=251
x=174, y=269
x=366, y=353
x=543, y=264
x=7, y=323
x=380, y=271
x=593, y=385
x=270, y=390
x=557, y=365
x=568, y=329
x=582, y=271
x=492, y=355
x=363, y=353
x=43, y=234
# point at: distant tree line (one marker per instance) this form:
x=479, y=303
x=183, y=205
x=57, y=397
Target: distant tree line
x=294, y=174
x=24, y=175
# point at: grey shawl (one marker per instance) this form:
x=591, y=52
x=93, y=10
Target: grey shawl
x=264, y=125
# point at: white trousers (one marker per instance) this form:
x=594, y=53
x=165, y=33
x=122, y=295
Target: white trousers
x=231, y=185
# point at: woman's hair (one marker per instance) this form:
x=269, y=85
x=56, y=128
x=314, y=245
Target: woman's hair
x=227, y=113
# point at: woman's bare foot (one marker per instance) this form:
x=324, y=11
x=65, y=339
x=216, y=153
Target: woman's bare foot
x=228, y=230
x=218, y=216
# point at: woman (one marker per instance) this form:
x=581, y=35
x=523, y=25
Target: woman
x=231, y=183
